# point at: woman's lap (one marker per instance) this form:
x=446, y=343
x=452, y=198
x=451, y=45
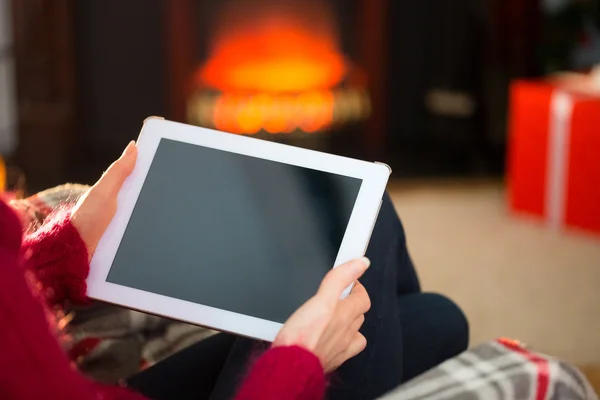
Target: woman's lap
x=188, y=374
x=401, y=323
x=434, y=329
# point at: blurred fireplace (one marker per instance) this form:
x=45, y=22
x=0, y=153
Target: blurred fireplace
x=89, y=72
x=294, y=71
x=276, y=69
x=150, y=62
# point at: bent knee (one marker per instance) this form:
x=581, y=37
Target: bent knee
x=452, y=322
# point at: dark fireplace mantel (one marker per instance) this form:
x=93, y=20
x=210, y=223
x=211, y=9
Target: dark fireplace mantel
x=45, y=74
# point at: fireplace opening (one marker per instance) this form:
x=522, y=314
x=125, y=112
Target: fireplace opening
x=276, y=68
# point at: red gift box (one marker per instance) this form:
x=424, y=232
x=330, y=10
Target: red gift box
x=554, y=151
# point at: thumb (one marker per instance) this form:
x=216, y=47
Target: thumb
x=339, y=278
x=112, y=180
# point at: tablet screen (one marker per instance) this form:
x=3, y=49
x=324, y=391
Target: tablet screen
x=234, y=232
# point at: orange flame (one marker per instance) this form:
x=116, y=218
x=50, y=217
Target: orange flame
x=276, y=67
x=274, y=46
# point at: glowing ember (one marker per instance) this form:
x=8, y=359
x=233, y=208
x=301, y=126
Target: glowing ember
x=309, y=112
x=276, y=67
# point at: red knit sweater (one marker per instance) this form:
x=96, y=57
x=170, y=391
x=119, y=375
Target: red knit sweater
x=51, y=266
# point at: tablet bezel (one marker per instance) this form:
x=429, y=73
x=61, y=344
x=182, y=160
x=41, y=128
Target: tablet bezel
x=374, y=178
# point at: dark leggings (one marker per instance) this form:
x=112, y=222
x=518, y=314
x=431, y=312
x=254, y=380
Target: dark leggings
x=407, y=332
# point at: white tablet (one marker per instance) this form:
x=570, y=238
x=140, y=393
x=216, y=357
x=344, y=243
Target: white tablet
x=231, y=232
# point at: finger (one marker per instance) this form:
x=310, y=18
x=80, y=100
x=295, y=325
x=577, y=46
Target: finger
x=339, y=278
x=357, y=345
x=352, y=307
x=356, y=304
x=342, y=333
x=359, y=297
x=357, y=323
x=115, y=175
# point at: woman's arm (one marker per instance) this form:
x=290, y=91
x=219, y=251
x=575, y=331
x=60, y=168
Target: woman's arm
x=32, y=364
x=58, y=253
x=284, y=373
x=58, y=259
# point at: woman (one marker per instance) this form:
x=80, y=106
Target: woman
x=319, y=337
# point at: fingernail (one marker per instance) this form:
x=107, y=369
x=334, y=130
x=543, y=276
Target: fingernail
x=366, y=262
x=128, y=149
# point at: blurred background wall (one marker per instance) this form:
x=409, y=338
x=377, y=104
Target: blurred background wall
x=424, y=84
x=8, y=119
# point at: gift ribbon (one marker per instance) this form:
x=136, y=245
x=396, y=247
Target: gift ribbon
x=561, y=111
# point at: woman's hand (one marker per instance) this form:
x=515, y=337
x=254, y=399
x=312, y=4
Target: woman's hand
x=327, y=325
x=95, y=209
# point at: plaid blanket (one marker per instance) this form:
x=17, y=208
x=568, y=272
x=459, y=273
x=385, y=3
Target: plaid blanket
x=503, y=370
x=109, y=343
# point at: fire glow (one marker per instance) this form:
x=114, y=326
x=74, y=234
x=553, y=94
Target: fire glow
x=276, y=68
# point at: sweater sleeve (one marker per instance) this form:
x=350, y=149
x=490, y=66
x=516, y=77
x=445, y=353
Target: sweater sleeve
x=58, y=258
x=284, y=373
x=33, y=365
